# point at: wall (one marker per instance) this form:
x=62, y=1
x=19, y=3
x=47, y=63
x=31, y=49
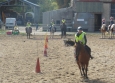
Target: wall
x=85, y=20
x=106, y=11
x=57, y=15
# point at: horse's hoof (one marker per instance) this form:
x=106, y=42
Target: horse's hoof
x=87, y=78
x=82, y=77
x=91, y=57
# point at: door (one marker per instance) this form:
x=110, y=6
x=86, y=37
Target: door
x=97, y=22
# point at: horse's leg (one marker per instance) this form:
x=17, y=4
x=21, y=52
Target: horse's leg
x=29, y=35
x=108, y=33
x=112, y=34
x=102, y=35
x=52, y=34
x=83, y=70
x=79, y=68
x=65, y=33
x=61, y=33
x=86, y=69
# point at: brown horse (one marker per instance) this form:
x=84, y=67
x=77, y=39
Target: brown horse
x=111, y=30
x=103, y=30
x=83, y=59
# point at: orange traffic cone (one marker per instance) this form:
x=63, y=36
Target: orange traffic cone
x=45, y=52
x=46, y=38
x=38, y=66
x=46, y=46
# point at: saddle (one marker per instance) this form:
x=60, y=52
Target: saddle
x=87, y=48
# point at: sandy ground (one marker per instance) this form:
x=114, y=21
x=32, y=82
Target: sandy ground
x=18, y=57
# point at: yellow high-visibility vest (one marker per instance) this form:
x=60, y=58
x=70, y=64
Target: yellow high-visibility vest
x=63, y=21
x=28, y=24
x=80, y=38
x=52, y=23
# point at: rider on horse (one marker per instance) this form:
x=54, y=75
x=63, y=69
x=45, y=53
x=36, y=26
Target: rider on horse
x=103, y=21
x=111, y=21
x=81, y=36
x=52, y=27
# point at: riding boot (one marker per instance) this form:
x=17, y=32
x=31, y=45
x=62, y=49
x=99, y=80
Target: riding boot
x=27, y=36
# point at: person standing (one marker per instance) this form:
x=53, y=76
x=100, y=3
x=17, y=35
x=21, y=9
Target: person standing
x=52, y=28
x=28, y=24
x=63, y=27
x=63, y=21
x=36, y=26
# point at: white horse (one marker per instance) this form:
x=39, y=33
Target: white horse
x=111, y=30
x=103, y=30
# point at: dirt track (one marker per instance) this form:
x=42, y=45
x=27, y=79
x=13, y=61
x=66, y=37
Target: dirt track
x=18, y=57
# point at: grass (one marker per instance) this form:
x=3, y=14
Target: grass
x=22, y=34
x=2, y=32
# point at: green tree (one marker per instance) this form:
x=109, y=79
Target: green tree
x=34, y=1
x=47, y=5
x=2, y=0
x=63, y=3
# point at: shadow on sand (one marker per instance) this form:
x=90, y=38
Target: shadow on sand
x=93, y=81
x=44, y=38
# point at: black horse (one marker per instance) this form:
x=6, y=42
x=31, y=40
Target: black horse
x=63, y=30
x=28, y=31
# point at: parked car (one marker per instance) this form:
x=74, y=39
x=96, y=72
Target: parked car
x=10, y=23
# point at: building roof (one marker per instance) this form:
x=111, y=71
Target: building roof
x=25, y=1
x=30, y=3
